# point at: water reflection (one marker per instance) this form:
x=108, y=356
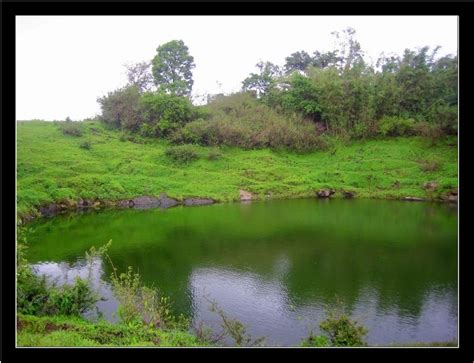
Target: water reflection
x=268, y=309
x=275, y=265
x=66, y=273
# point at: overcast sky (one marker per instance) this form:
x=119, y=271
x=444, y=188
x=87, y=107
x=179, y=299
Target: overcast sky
x=63, y=63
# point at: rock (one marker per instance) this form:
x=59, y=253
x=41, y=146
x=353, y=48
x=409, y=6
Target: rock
x=145, y=202
x=48, y=210
x=453, y=195
x=166, y=202
x=81, y=203
x=245, y=195
x=125, y=203
x=197, y=201
x=453, y=198
x=325, y=193
x=348, y=194
x=413, y=199
x=269, y=195
x=430, y=185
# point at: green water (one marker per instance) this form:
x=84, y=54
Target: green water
x=274, y=265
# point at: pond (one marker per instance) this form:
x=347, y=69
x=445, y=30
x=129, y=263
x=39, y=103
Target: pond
x=276, y=265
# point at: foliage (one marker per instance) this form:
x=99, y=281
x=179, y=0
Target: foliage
x=316, y=341
x=139, y=76
x=35, y=296
x=263, y=81
x=73, y=128
x=121, y=108
x=343, y=331
x=429, y=165
x=85, y=145
x=172, y=67
x=163, y=113
x=396, y=126
x=122, y=170
x=239, y=120
x=340, y=329
x=235, y=329
x=61, y=331
x=182, y=154
x=214, y=155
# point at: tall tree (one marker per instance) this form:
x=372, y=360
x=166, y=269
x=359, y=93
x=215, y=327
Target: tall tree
x=172, y=67
x=139, y=75
x=263, y=81
x=297, y=61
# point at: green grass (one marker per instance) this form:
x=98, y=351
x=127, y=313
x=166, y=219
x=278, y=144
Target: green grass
x=58, y=331
x=53, y=167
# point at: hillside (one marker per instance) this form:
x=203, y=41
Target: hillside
x=108, y=165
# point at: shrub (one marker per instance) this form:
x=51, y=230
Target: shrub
x=36, y=297
x=140, y=304
x=122, y=109
x=214, y=155
x=85, y=145
x=239, y=120
x=444, y=116
x=342, y=331
x=71, y=128
x=236, y=329
x=165, y=113
x=429, y=165
x=396, y=126
x=182, y=154
x=316, y=341
x=430, y=131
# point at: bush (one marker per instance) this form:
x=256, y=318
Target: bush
x=165, y=113
x=316, y=341
x=85, y=145
x=429, y=131
x=239, y=120
x=182, y=154
x=35, y=297
x=341, y=331
x=444, y=116
x=396, y=126
x=429, y=165
x=214, y=155
x=71, y=128
x=140, y=304
x=122, y=109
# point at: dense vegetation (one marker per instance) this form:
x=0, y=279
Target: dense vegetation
x=297, y=106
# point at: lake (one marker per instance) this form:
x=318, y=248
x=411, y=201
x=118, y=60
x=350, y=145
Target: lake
x=276, y=265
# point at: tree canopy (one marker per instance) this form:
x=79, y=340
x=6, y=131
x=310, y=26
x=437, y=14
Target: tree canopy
x=172, y=68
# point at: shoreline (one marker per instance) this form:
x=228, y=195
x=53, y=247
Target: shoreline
x=163, y=201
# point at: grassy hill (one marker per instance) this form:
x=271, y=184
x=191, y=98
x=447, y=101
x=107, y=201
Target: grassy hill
x=108, y=165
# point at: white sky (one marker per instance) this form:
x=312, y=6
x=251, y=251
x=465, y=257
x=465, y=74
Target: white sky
x=63, y=63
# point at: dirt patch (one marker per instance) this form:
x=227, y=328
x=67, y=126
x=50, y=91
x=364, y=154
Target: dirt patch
x=245, y=195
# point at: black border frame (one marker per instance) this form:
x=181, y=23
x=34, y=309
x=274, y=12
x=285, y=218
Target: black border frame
x=8, y=172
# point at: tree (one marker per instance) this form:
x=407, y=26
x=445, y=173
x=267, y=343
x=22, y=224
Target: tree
x=139, y=75
x=297, y=62
x=121, y=108
x=171, y=68
x=323, y=60
x=263, y=81
x=350, y=52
